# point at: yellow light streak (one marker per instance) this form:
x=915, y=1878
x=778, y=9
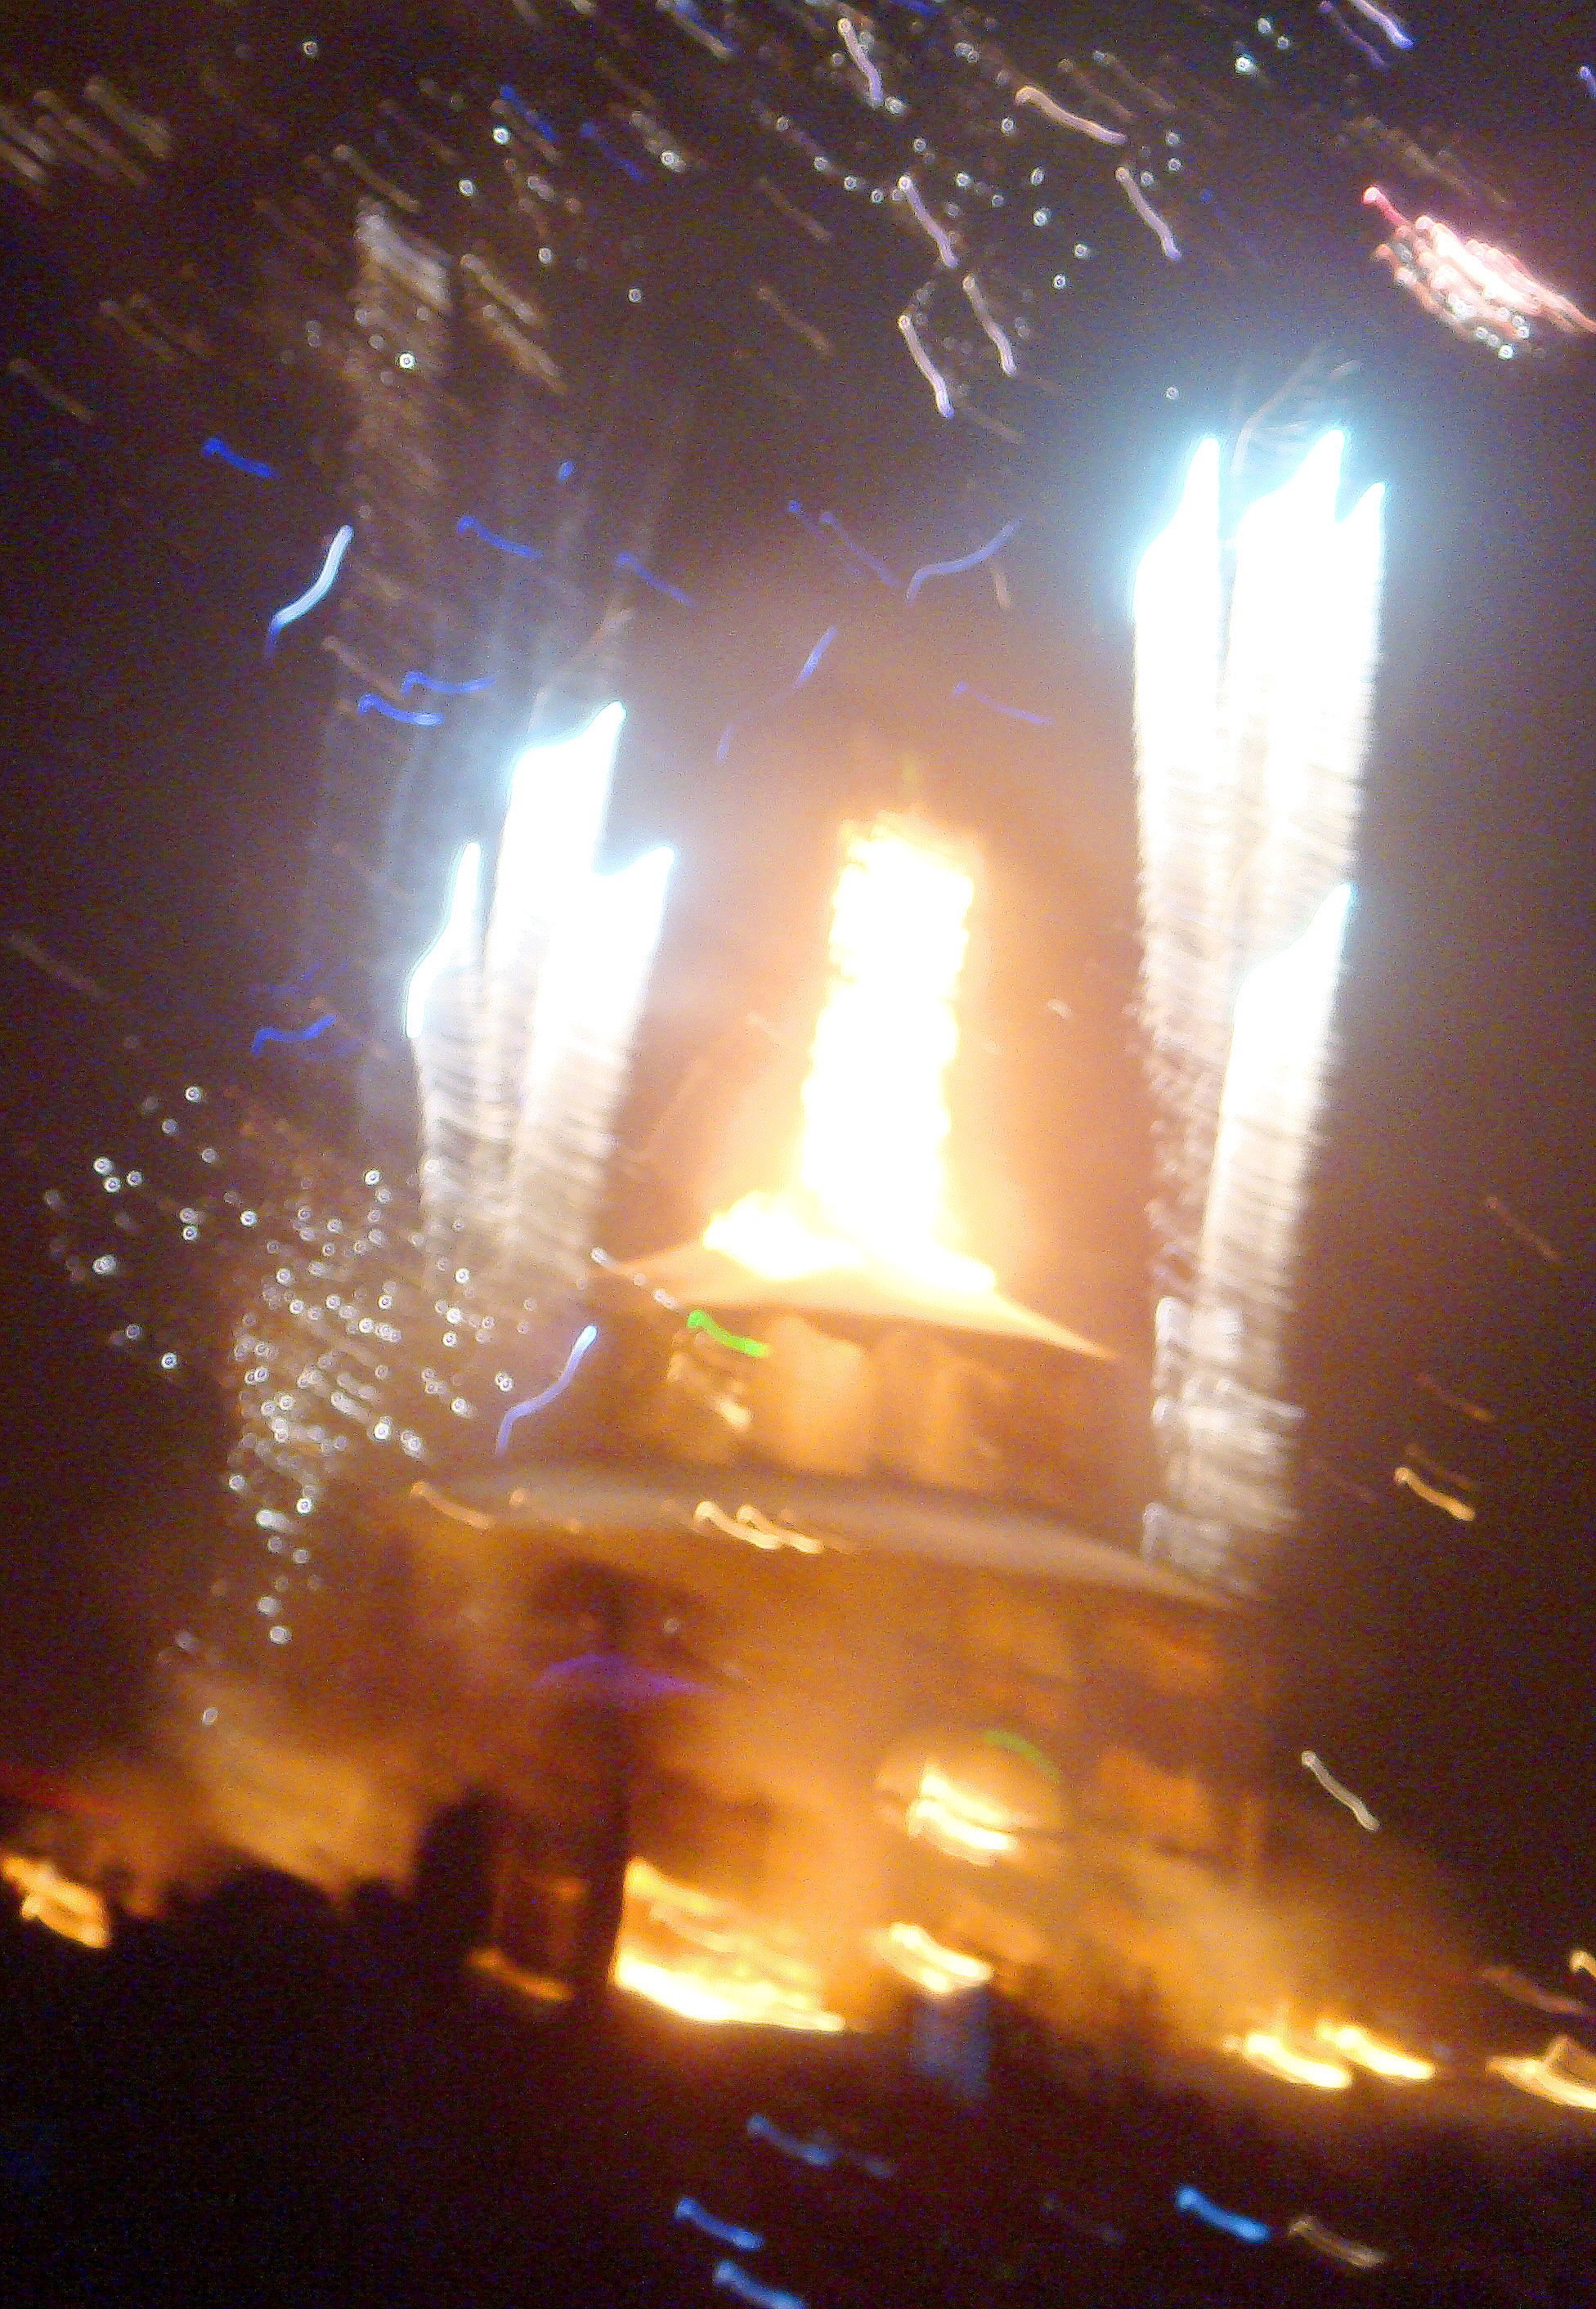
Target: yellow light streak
x=1460, y=1511
x=73, y=1911
x=1372, y=2053
x=955, y=1821
x=1266, y=2049
x=1564, y=2074
x=912, y=1952
x=728, y=1999
x=725, y=1974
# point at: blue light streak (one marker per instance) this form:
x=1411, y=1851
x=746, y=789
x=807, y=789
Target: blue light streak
x=534, y=1403
x=1188, y=2199
x=689, y=2210
x=372, y=703
x=513, y=97
x=807, y=668
x=592, y=135
x=660, y=585
x=468, y=525
x=217, y=448
x=822, y=2152
x=565, y=471
x=994, y=705
x=620, y=1682
x=326, y=578
x=730, y=2276
x=965, y=561
x=445, y=689
x=1588, y=78
x=852, y=545
x=264, y=1035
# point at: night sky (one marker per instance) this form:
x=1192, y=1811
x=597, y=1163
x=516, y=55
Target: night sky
x=163, y=784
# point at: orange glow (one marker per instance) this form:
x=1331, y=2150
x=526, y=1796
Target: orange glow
x=72, y=1910
x=1373, y=2054
x=1269, y=2050
x=1563, y=2074
x=910, y=1951
x=870, y=1179
x=688, y=1953
x=955, y=1821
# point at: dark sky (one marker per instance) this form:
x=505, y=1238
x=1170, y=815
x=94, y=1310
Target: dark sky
x=161, y=790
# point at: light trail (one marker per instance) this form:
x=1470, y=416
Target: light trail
x=1343, y=1795
x=793, y=687
x=317, y=591
x=630, y=562
x=996, y=335
x=1460, y=1511
x=1372, y=2053
x=925, y=365
x=1148, y=213
x=534, y=1403
x=729, y=2278
x=1391, y=26
x=1346, y=2251
x=1564, y=2074
x=413, y=718
x=1188, y=2199
x=820, y=2151
x=1040, y=101
x=264, y=1035
x=996, y=705
x=1268, y=2050
x=964, y=560
x=468, y=525
x=700, y=1320
x=217, y=448
x=852, y=545
x=856, y=50
x=946, y=255
x=741, y=2240
x=1355, y=40
x=414, y=680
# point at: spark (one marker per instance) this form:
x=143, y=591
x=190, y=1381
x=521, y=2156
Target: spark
x=793, y=687
x=965, y=561
x=994, y=705
x=689, y=2210
x=1346, y=2251
x=264, y=1035
x=452, y=943
x=217, y=448
x=629, y=561
x=414, y=680
x=856, y=50
x=326, y=579
x=946, y=255
x=1188, y=2199
x=925, y=365
x=1343, y=1795
x=1148, y=213
x=585, y=1338
x=468, y=525
x=412, y=719
x=1043, y=103
x=852, y=545
x=983, y=313
x=701, y=1321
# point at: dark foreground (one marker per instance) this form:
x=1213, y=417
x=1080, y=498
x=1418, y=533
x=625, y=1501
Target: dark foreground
x=265, y=2101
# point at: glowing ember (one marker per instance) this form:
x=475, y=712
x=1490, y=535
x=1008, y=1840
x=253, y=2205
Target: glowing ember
x=72, y=1910
x=874, y=1113
x=1372, y=2053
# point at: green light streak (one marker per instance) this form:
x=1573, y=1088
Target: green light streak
x=701, y=1321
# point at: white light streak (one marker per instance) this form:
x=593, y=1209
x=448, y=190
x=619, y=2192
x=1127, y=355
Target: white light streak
x=1343, y=1795
x=317, y=591
x=983, y=313
x=1042, y=102
x=1148, y=213
x=948, y=254
x=453, y=943
x=925, y=365
x=857, y=50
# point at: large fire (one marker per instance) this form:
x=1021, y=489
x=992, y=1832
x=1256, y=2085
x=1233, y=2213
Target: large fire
x=870, y=1181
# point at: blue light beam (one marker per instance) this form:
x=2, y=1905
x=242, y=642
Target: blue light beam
x=793, y=687
x=660, y=585
x=217, y=448
x=414, y=680
x=372, y=703
x=965, y=561
x=534, y=1403
x=264, y=1035
x=994, y=705
x=326, y=579
x=1188, y=2199
x=468, y=525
